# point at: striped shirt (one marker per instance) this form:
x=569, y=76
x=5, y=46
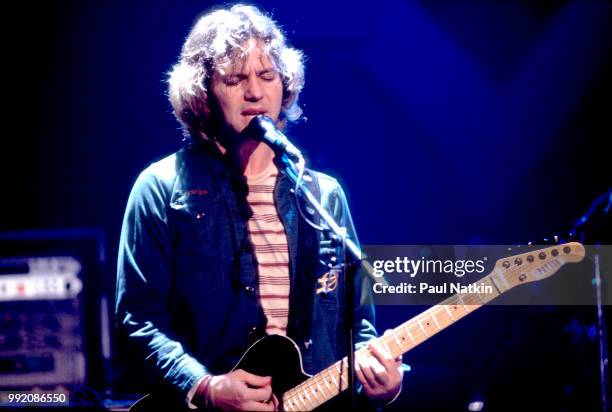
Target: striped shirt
x=269, y=241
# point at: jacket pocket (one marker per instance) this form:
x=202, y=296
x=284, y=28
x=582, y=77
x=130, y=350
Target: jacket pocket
x=202, y=234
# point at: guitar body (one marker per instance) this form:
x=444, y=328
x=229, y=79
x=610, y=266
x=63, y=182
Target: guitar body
x=273, y=355
x=276, y=356
x=280, y=357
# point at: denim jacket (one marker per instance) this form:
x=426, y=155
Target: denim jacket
x=187, y=277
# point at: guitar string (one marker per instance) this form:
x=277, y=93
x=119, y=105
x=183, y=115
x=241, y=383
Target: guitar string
x=312, y=382
x=390, y=340
x=455, y=300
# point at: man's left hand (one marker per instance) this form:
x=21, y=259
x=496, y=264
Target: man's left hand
x=379, y=373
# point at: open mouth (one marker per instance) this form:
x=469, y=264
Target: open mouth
x=253, y=112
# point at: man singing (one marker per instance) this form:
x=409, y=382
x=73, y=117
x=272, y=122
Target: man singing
x=214, y=253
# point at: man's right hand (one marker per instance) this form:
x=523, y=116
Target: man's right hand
x=240, y=390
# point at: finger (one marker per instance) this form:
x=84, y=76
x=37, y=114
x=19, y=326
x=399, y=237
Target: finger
x=392, y=367
x=258, y=394
x=367, y=387
x=254, y=380
x=275, y=402
x=361, y=378
x=379, y=371
x=367, y=372
x=384, y=356
x=381, y=353
x=257, y=406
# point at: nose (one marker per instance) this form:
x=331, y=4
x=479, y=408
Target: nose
x=254, y=91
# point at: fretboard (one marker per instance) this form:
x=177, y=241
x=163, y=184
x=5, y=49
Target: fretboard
x=331, y=381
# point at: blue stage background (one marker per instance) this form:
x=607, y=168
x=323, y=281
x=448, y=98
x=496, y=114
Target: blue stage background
x=446, y=122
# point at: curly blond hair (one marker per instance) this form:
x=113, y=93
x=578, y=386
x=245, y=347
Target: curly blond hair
x=220, y=38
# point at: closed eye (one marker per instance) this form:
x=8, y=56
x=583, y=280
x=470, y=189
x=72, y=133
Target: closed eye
x=268, y=75
x=233, y=80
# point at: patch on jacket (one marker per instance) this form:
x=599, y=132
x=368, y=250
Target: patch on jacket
x=328, y=282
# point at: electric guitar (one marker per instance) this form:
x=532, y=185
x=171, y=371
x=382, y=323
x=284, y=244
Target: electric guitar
x=279, y=357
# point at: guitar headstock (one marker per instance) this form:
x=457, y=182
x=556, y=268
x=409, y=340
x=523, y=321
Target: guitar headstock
x=538, y=263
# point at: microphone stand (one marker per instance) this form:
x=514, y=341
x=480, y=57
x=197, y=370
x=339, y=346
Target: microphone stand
x=349, y=253
x=601, y=338
x=591, y=228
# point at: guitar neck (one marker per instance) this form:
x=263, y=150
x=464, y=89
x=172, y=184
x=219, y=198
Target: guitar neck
x=508, y=273
x=334, y=379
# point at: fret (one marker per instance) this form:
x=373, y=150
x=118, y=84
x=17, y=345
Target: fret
x=338, y=370
x=422, y=328
x=302, y=400
x=327, y=384
x=287, y=397
x=314, y=392
x=437, y=309
x=287, y=404
x=320, y=388
x=385, y=345
x=461, y=302
x=399, y=343
x=449, y=312
x=304, y=395
x=410, y=335
x=491, y=278
x=388, y=344
x=495, y=285
x=335, y=382
x=327, y=378
x=391, y=343
x=504, y=280
x=402, y=333
x=337, y=374
x=499, y=275
x=294, y=403
x=305, y=392
x=435, y=321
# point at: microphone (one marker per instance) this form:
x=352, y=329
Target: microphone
x=262, y=128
